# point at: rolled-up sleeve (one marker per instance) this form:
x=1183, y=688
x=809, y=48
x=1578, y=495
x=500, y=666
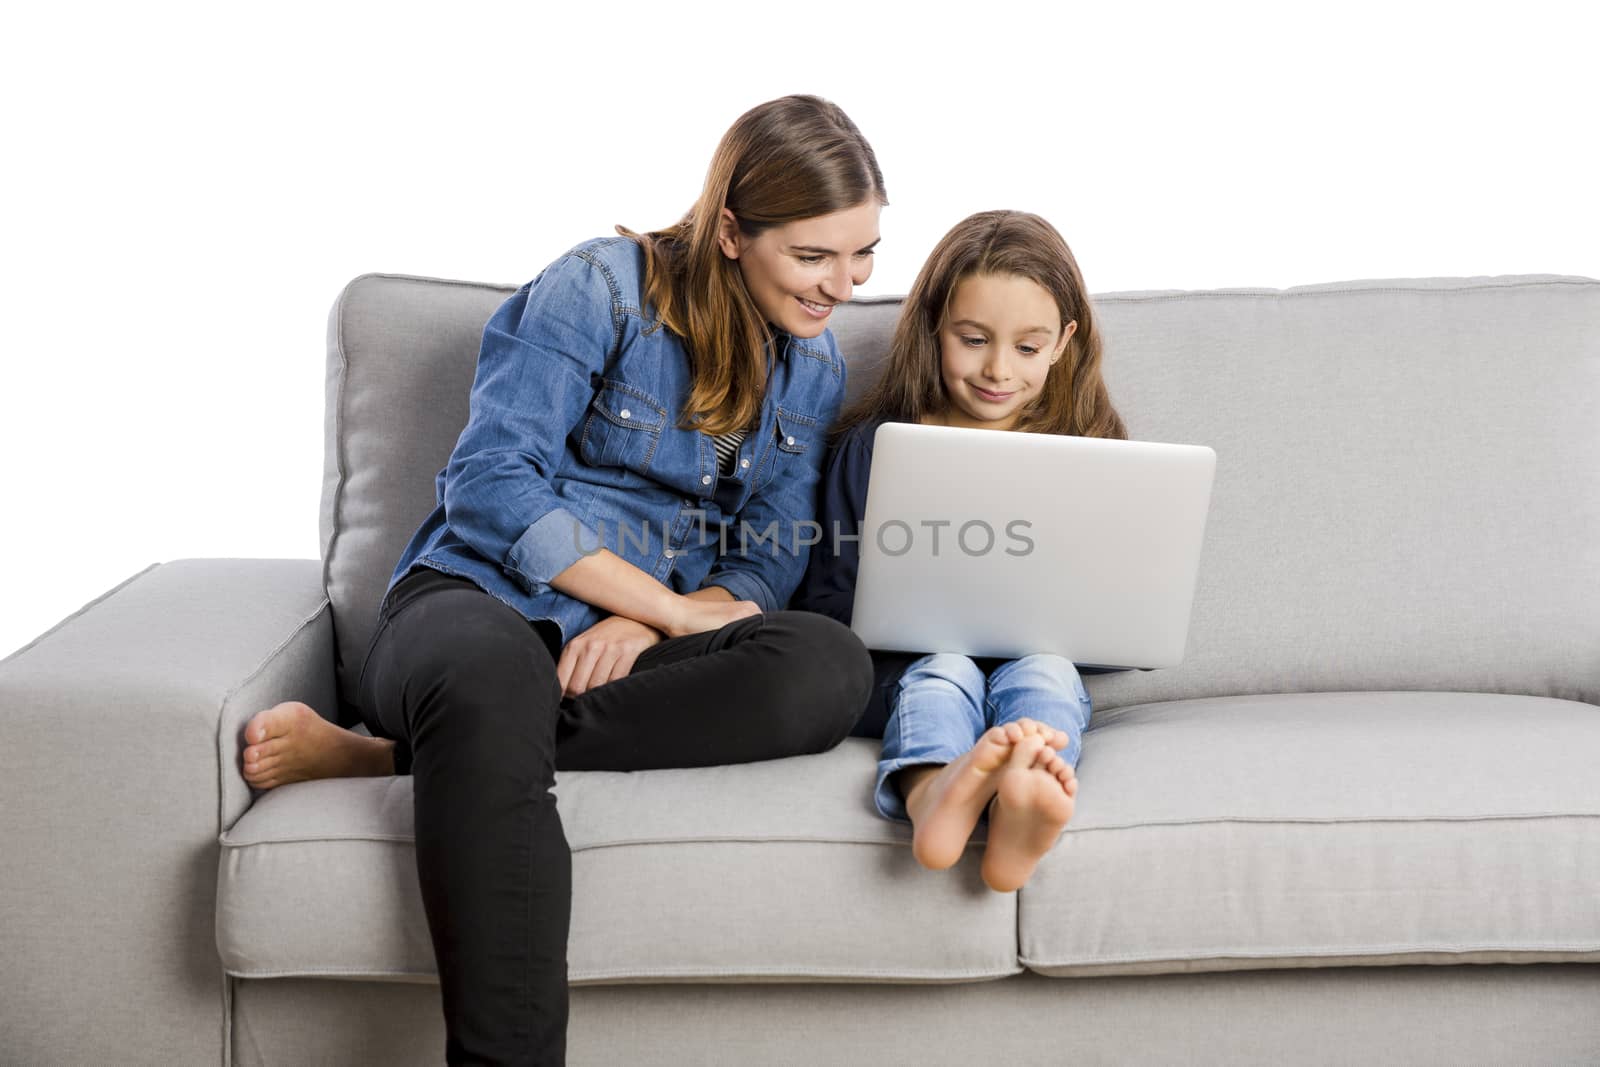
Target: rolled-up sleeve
x=745, y=586
x=532, y=386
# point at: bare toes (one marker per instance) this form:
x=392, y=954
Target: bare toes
x=275, y=721
x=259, y=752
x=262, y=726
x=1026, y=751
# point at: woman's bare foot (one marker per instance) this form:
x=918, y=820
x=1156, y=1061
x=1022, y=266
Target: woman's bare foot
x=290, y=742
x=1033, y=802
x=945, y=802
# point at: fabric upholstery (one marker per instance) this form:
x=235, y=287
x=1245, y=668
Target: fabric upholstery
x=118, y=768
x=1325, y=829
x=766, y=871
x=1541, y=1016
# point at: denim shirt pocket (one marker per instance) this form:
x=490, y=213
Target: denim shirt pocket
x=794, y=435
x=623, y=428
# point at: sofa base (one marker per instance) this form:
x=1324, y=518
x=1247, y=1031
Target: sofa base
x=1536, y=1014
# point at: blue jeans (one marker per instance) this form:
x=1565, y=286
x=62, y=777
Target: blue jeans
x=943, y=704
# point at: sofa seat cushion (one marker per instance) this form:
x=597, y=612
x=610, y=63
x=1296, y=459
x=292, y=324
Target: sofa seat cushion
x=768, y=871
x=1325, y=829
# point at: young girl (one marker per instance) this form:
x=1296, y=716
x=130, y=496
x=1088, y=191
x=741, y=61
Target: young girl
x=997, y=333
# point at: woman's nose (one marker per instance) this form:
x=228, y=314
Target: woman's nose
x=840, y=283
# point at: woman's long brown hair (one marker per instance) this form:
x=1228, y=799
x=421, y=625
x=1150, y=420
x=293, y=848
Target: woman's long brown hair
x=792, y=158
x=1074, y=399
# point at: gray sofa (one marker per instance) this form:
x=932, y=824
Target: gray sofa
x=1361, y=822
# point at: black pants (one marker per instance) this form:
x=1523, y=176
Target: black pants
x=467, y=689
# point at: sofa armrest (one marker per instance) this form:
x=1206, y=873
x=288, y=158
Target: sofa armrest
x=119, y=768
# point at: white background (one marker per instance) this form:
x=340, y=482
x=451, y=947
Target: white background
x=188, y=187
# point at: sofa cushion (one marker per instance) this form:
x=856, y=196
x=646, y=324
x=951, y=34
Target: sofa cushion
x=768, y=871
x=1325, y=829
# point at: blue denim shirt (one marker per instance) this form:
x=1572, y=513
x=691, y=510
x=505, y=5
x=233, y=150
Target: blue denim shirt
x=573, y=442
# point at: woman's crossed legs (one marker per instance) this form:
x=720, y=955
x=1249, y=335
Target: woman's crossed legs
x=466, y=691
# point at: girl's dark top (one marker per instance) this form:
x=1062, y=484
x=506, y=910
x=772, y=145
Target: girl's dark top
x=829, y=584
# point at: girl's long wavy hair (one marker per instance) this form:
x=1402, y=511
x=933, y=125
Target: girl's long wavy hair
x=792, y=158
x=1074, y=399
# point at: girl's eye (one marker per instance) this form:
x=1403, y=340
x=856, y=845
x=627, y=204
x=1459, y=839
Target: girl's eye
x=972, y=342
x=1028, y=350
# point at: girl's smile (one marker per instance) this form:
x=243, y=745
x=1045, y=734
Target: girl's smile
x=1000, y=336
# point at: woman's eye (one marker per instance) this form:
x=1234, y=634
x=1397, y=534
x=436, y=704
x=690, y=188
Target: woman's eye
x=812, y=261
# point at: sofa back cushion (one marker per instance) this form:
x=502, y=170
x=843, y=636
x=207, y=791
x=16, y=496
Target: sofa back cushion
x=1408, y=472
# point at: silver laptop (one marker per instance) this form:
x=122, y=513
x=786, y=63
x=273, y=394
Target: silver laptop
x=1006, y=544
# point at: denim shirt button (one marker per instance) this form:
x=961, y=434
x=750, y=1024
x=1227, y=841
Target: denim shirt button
x=744, y=463
x=670, y=554
x=705, y=479
x=786, y=440
x=625, y=413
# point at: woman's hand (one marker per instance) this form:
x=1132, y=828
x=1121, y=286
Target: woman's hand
x=603, y=653
x=698, y=614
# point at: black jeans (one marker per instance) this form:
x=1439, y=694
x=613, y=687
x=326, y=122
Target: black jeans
x=467, y=689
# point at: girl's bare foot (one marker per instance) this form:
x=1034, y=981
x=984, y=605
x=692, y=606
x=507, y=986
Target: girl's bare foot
x=290, y=742
x=945, y=802
x=1033, y=802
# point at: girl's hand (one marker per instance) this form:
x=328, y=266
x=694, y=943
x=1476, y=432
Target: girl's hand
x=603, y=653
x=697, y=616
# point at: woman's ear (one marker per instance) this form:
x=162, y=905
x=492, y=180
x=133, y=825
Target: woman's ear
x=1066, y=335
x=728, y=234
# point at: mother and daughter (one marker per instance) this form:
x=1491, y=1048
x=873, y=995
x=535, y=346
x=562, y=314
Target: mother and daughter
x=670, y=382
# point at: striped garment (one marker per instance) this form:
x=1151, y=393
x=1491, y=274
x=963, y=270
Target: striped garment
x=727, y=451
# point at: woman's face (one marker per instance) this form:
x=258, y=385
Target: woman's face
x=1001, y=334
x=797, y=272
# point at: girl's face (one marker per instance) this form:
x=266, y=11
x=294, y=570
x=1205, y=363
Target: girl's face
x=1001, y=335
x=797, y=272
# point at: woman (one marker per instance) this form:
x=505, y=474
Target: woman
x=617, y=530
